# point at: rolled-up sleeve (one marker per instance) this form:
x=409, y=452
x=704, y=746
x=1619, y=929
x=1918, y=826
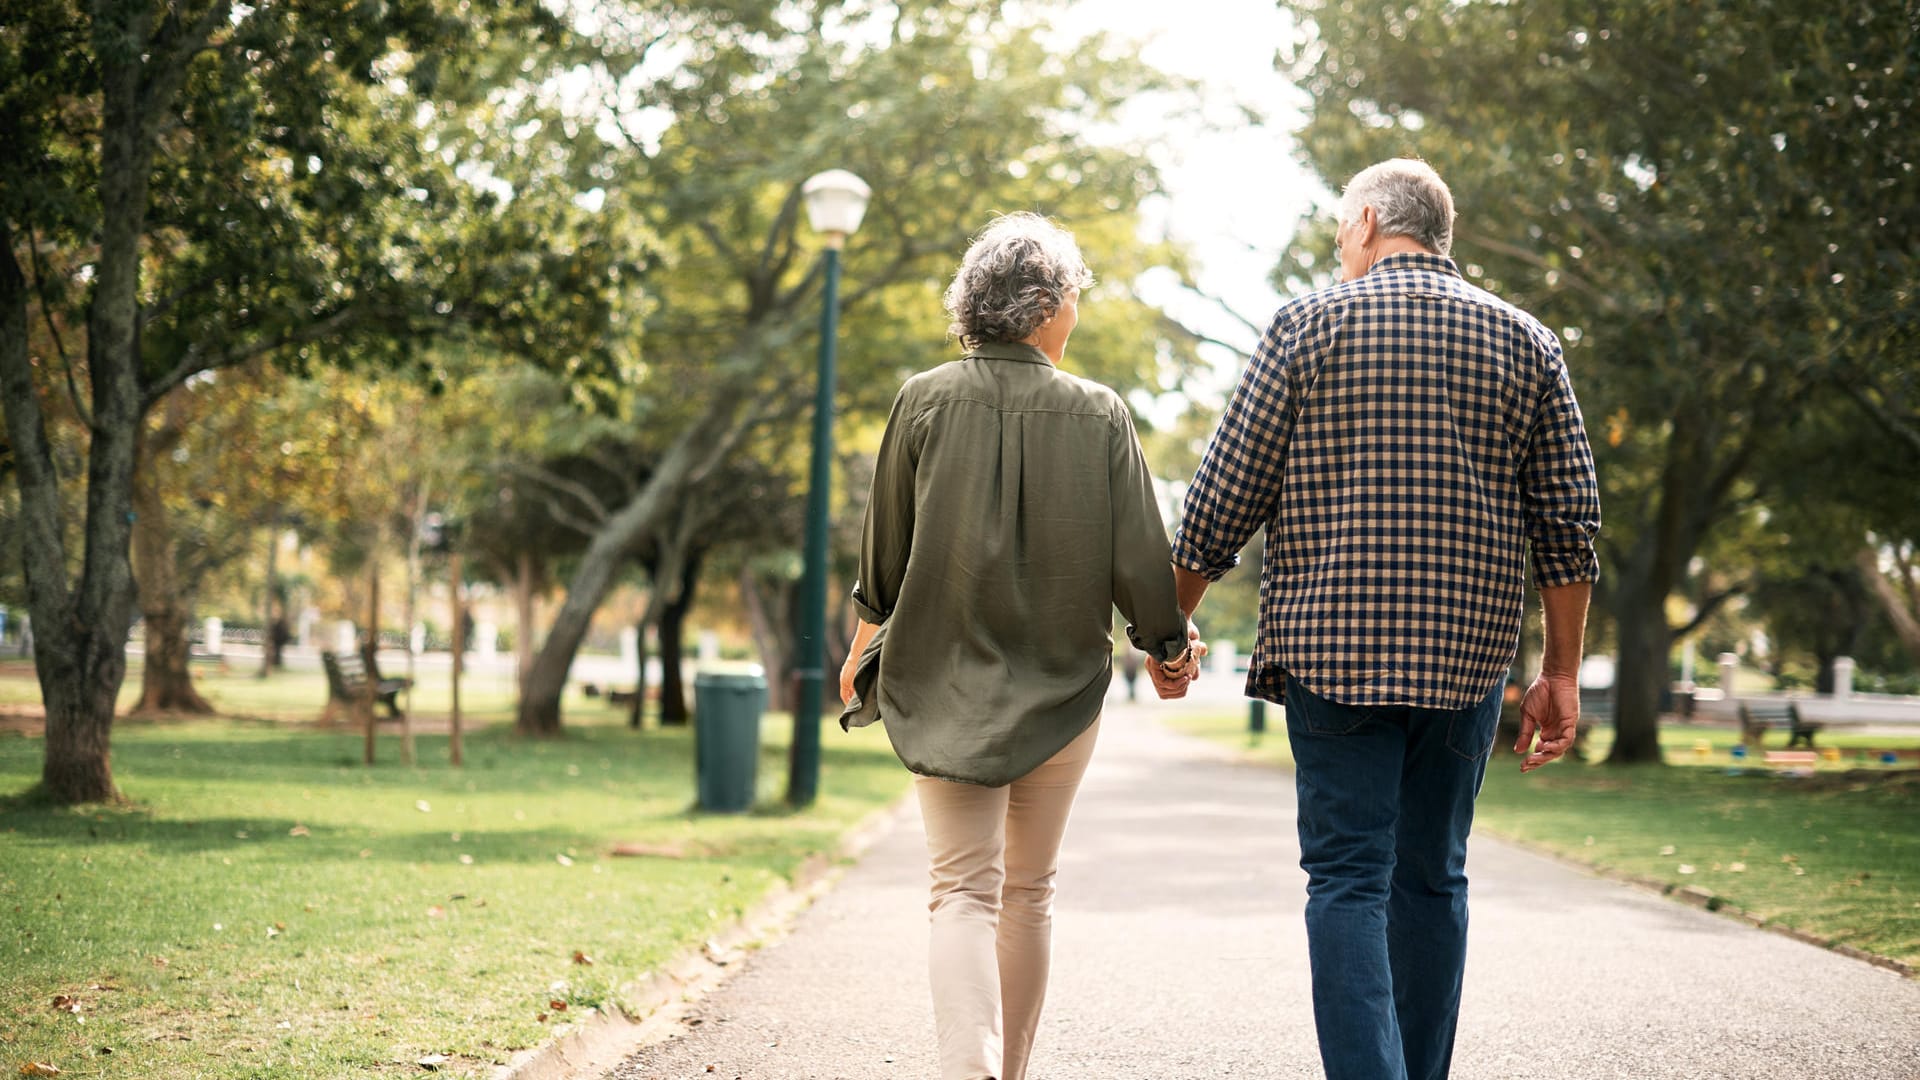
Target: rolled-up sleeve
x=1142, y=577
x=888, y=536
x=1238, y=482
x=1559, y=489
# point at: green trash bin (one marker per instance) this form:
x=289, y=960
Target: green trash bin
x=727, y=705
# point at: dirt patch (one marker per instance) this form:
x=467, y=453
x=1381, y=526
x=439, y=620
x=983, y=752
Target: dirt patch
x=1860, y=780
x=28, y=720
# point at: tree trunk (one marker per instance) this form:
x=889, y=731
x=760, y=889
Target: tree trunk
x=79, y=665
x=369, y=652
x=454, y=578
x=695, y=451
x=672, y=626
x=166, y=683
x=271, y=626
x=1905, y=618
x=80, y=675
x=1640, y=672
x=539, y=712
x=523, y=588
x=637, y=708
x=771, y=620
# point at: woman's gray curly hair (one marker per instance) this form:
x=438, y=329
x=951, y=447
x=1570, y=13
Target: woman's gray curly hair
x=1014, y=277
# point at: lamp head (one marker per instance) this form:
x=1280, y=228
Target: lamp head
x=836, y=201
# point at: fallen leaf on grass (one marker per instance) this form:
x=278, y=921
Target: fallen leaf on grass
x=158, y=961
x=539, y=1018
x=432, y=1061
x=582, y=958
x=38, y=1068
x=1737, y=868
x=466, y=860
x=66, y=1004
x=423, y=806
x=1686, y=868
x=631, y=849
x=563, y=860
x=436, y=912
x=299, y=830
x=1668, y=850
x=557, y=1005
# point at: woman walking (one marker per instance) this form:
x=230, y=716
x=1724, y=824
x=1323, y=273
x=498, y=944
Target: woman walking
x=1011, y=512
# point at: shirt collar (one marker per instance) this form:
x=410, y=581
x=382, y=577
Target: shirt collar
x=1008, y=350
x=1416, y=260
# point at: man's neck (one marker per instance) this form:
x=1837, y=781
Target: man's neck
x=1398, y=245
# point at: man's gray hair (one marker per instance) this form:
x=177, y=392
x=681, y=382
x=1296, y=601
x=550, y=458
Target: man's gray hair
x=1408, y=199
x=1014, y=277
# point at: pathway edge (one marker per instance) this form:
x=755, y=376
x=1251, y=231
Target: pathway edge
x=663, y=997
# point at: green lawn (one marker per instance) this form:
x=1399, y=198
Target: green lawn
x=292, y=695
x=1835, y=854
x=268, y=907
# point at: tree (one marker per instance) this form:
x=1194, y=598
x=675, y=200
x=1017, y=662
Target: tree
x=1694, y=195
x=962, y=113
x=210, y=184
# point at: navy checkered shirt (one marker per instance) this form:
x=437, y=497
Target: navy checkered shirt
x=1404, y=438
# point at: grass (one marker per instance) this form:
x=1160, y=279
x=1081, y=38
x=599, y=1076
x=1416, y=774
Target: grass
x=287, y=695
x=267, y=907
x=1836, y=853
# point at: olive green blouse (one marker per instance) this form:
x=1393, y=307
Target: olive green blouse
x=1011, y=512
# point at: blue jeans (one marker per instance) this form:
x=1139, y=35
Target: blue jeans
x=1386, y=800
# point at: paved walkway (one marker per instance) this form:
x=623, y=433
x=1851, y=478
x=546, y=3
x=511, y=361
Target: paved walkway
x=1179, y=953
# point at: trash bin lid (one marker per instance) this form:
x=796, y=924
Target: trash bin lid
x=731, y=675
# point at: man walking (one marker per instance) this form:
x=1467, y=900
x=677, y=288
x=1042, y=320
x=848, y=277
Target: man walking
x=1408, y=440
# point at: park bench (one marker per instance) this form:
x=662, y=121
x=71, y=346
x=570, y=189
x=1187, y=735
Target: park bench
x=1756, y=717
x=348, y=679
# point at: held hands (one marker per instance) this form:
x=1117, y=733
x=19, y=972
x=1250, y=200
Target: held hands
x=1171, y=679
x=1550, y=710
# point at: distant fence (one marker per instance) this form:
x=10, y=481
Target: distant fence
x=231, y=634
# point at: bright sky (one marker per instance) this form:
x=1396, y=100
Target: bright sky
x=1235, y=189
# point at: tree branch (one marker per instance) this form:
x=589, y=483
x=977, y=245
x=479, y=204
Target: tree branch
x=1513, y=251
x=1175, y=326
x=565, y=518
x=1707, y=608
x=32, y=455
x=59, y=345
x=198, y=359
x=1896, y=426
x=172, y=48
x=553, y=481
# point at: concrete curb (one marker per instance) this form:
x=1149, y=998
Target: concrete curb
x=1706, y=900
x=602, y=1039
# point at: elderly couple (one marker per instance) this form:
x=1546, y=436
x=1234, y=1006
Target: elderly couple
x=1407, y=440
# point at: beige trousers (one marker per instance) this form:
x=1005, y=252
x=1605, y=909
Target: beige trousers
x=993, y=852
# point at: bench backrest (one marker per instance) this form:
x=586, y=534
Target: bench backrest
x=1768, y=710
x=345, y=672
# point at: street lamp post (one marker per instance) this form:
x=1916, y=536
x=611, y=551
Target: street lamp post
x=836, y=201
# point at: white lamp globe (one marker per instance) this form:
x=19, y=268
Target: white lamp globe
x=836, y=201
